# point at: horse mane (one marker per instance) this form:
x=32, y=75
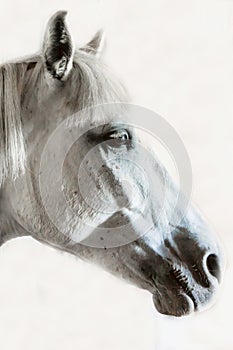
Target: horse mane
x=12, y=147
x=93, y=86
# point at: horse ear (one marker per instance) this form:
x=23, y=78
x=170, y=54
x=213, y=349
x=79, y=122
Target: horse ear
x=95, y=46
x=57, y=46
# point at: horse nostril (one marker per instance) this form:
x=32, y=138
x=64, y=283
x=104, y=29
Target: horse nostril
x=213, y=265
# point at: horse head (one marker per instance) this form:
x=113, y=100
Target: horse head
x=77, y=173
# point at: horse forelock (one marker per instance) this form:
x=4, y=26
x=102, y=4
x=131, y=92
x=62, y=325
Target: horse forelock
x=92, y=85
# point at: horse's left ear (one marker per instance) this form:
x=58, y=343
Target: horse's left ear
x=57, y=47
x=95, y=46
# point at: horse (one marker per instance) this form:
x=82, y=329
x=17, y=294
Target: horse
x=77, y=175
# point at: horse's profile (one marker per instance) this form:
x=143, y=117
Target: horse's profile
x=179, y=264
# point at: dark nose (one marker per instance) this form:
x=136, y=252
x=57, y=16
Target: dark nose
x=204, y=265
x=204, y=268
x=213, y=265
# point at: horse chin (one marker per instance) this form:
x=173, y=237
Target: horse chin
x=178, y=306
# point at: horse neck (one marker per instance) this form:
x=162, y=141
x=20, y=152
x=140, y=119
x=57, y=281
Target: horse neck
x=9, y=228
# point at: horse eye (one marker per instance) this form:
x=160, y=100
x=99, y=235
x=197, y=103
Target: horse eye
x=119, y=136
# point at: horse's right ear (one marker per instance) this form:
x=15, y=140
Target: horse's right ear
x=57, y=47
x=95, y=46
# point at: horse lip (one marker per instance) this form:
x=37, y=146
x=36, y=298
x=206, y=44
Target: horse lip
x=182, y=281
x=193, y=300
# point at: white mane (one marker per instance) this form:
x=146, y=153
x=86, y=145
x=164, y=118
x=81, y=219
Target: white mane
x=12, y=148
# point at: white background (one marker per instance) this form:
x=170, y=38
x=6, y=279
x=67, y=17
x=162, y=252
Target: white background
x=175, y=57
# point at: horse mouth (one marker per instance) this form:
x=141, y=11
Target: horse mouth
x=183, y=283
x=178, y=300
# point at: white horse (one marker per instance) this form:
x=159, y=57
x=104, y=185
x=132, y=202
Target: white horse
x=64, y=139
